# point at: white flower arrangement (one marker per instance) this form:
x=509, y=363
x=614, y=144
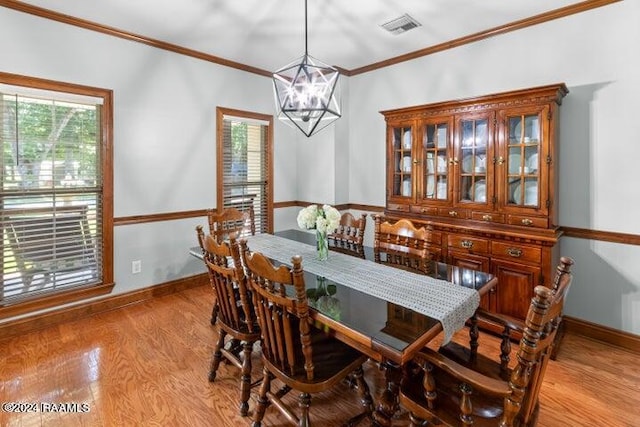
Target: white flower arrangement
x=324, y=220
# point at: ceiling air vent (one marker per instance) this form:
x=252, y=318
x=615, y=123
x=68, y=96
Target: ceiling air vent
x=401, y=24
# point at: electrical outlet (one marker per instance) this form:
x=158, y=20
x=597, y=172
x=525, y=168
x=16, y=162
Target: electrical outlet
x=136, y=266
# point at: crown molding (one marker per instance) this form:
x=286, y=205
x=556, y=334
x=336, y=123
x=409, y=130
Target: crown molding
x=472, y=38
x=115, y=32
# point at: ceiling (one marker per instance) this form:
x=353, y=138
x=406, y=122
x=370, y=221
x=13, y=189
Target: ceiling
x=270, y=34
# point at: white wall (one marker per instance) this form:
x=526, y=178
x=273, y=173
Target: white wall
x=596, y=54
x=164, y=132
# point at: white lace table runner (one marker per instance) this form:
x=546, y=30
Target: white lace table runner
x=450, y=304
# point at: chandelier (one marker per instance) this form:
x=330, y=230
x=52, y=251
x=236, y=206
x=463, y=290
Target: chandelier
x=306, y=91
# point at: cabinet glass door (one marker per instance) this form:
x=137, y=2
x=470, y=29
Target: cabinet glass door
x=523, y=160
x=402, y=161
x=435, y=167
x=473, y=146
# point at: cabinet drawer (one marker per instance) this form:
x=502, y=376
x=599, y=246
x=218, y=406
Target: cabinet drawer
x=514, y=251
x=472, y=244
x=488, y=217
x=453, y=213
x=398, y=207
x=528, y=221
x=424, y=210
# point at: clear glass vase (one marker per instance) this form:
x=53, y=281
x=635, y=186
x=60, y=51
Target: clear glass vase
x=322, y=246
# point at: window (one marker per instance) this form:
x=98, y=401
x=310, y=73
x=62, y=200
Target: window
x=245, y=166
x=56, y=212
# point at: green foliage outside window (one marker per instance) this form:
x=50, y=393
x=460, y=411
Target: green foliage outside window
x=48, y=144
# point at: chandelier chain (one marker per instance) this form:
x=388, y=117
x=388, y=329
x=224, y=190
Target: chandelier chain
x=306, y=31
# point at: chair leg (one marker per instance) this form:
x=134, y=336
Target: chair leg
x=245, y=379
x=387, y=405
x=263, y=400
x=217, y=355
x=363, y=390
x=473, y=338
x=505, y=351
x=357, y=380
x=304, y=402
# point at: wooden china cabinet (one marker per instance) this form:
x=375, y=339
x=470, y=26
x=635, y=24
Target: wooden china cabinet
x=483, y=173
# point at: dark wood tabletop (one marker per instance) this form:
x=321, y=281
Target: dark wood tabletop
x=379, y=328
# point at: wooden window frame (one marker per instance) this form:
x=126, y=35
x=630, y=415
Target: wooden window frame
x=221, y=112
x=57, y=298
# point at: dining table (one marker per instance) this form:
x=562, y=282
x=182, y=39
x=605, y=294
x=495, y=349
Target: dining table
x=387, y=313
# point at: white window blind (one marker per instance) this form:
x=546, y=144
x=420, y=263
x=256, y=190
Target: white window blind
x=51, y=188
x=245, y=169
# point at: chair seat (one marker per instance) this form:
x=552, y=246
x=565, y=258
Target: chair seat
x=480, y=363
x=330, y=357
x=241, y=333
x=487, y=410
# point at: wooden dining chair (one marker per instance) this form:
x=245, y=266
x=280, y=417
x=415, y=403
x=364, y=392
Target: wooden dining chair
x=221, y=224
x=236, y=316
x=402, y=245
x=348, y=238
x=460, y=386
x=302, y=357
x=511, y=326
x=231, y=220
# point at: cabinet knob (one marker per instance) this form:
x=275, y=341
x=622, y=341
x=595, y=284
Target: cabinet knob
x=415, y=161
x=486, y=217
x=467, y=244
x=514, y=252
x=527, y=221
x=453, y=213
x=500, y=160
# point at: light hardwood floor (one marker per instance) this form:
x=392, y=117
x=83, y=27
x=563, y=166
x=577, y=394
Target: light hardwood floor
x=147, y=365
